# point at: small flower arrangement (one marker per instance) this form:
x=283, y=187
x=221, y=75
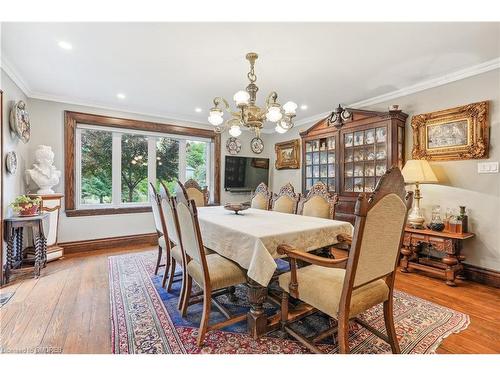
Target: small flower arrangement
x=25, y=205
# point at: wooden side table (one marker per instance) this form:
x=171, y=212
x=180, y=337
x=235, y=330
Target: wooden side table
x=447, y=243
x=14, y=232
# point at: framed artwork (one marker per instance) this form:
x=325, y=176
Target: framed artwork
x=287, y=154
x=452, y=134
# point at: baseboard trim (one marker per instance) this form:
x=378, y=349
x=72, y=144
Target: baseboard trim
x=146, y=239
x=482, y=275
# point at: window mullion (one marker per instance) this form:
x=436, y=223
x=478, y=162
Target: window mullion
x=152, y=160
x=116, y=170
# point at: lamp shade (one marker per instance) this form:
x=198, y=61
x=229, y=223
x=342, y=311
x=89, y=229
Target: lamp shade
x=418, y=171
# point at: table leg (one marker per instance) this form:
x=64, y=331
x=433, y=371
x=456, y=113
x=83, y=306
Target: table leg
x=43, y=240
x=38, y=250
x=406, y=251
x=10, y=234
x=19, y=244
x=256, y=317
x=450, y=262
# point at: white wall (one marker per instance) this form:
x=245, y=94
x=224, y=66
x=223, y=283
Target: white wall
x=13, y=184
x=48, y=128
x=460, y=184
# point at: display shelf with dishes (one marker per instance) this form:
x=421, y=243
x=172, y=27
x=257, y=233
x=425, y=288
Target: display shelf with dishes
x=320, y=162
x=362, y=148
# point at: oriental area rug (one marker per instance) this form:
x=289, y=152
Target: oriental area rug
x=145, y=319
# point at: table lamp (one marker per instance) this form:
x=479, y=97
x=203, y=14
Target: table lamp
x=417, y=172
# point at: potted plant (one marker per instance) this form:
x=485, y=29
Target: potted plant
x=26, y=206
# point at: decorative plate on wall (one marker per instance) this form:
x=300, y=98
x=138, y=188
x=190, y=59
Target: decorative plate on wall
x=11, y=162
x=257, y=145
x=233, y=145
x=20, y=121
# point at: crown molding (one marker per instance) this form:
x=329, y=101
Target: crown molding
x=421, y=86
x=9, y=69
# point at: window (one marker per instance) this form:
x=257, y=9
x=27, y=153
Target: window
x=113, y=165
x=96, y=170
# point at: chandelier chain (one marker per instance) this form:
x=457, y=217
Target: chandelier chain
x=251, y=74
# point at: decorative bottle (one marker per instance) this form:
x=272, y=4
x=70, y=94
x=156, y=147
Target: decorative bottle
x=464, y=218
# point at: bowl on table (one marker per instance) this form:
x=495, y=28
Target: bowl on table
x=236, y=207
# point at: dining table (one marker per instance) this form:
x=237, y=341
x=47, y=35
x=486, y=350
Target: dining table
x=251, y=239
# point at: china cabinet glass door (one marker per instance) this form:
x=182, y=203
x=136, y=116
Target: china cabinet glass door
x=365, y=158
x=320, y=161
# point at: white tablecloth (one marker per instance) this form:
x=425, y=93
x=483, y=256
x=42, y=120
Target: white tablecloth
x=251, y=238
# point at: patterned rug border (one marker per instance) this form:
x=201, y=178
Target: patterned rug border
x=159, y=306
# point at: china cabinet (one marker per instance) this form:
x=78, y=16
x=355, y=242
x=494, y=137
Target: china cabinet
x=351, y=159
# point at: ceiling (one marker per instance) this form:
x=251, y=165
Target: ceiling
x=169, y=69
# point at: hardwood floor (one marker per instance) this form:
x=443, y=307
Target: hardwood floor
x=67, y=309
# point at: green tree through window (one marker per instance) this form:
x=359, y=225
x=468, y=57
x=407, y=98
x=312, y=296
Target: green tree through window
x=96, y=163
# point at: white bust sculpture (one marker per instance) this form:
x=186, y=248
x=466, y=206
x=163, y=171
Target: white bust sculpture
x=43, y=172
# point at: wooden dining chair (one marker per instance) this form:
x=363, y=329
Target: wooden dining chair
x=343, y=291
x=261, y=198
x=286, y=200
x=175, y=256
x=213, y=273
x=318, y=202
x=194, y=191
x=154, y=198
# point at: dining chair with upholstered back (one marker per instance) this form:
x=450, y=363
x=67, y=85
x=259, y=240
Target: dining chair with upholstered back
x=261, y=198
x=159, y=224
x=286, y=200
x=194, y=191
x=343, y=291
x=213, y=273
x=318, y=202
x=175, y=254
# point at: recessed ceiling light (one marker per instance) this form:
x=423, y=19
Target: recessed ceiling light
x=197, y=109
x=65, y=45
x=120, y=96
x=303, y=107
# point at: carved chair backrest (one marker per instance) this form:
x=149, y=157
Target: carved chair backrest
x=194, y=191
x=191, y=240
x=286, y=200
x=378, y=234
x=319, y=202
x=261, y=197
x=156, y=209
x=169, y=214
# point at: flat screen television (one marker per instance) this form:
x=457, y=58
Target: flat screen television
x=245, y=173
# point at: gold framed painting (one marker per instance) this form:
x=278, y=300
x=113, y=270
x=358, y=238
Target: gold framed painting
x=452, y=134
x=287, y=154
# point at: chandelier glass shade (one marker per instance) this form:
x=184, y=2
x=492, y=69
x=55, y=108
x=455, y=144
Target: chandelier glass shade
x=248, y=114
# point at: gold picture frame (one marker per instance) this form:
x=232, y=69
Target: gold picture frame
x=287, y=154
x=458, y=133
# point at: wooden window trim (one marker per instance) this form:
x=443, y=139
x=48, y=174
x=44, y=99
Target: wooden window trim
x=71, y=119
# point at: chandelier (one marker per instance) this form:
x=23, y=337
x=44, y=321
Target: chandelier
x=248, y=114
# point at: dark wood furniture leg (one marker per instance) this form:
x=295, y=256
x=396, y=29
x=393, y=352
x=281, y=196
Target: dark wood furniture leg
x=38, y=250
x=9, y=238
x=256, y=317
